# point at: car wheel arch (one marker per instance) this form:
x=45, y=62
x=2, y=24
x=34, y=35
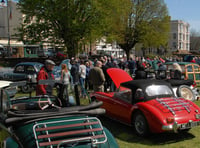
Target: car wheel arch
x=133, y=114
x=140, y=113
x=93, y=98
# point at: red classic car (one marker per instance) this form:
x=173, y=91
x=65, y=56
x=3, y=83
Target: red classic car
x=147, y=105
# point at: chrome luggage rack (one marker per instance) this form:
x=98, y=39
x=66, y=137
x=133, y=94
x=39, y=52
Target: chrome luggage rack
x=174, y=104
x=69, y=133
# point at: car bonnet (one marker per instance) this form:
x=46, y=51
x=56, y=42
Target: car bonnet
x=118, y=76
x=4, y=83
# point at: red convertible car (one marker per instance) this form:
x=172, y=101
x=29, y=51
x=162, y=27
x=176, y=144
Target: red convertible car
x=147, y=105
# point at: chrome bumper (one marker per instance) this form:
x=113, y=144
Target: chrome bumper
x=175, y=126
x=171, y=127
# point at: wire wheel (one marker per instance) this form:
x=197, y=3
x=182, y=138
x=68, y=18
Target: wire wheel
x=140, y=124
x=26, y=88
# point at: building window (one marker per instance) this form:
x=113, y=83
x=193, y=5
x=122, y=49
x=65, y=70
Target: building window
x=187, y=28
x=174, y=45
x=180, y=45
x=187, y=46
x=180, y=36
x=174, y=35
x=187, y=37
x=181, y=27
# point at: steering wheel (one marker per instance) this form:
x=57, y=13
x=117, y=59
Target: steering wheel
x=45, y=102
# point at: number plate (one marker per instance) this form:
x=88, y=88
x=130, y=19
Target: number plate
x=197, y=116
x=189, y=125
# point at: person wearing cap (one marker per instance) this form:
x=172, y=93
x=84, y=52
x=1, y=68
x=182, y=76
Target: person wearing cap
x=45, y=73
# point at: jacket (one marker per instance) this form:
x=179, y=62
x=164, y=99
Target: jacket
x=44, y=75
x=96, y=76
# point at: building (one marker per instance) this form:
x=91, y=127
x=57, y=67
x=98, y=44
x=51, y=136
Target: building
x=10, y=19
x=179, y=36
x=109, y=49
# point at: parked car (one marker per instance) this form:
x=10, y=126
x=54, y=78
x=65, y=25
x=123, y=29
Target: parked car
x=8, y=90
x=189, y=70
x=48, y=53
x=57, y=69
x=148, y=105
x=31, y=127
x=23, y=71
x=3, y=51
x=61, y=55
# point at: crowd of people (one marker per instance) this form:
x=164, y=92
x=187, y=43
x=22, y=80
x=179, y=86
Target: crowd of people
x=88, y=74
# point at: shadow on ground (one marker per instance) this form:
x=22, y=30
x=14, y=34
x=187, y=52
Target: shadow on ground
x=126, y=133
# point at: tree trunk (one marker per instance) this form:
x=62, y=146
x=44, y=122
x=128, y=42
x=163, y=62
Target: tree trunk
x=72, y=48
x=127, y=54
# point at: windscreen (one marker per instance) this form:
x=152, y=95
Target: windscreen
x=158, y=90
x=4, y=96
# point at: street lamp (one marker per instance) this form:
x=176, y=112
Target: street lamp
x=8, y=23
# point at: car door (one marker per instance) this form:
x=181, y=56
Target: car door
x=19, y=73
x=14, y=75
x=121, y=106
x=29, y=69
x=31, y=73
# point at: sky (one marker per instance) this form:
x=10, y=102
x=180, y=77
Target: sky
x=185, y=10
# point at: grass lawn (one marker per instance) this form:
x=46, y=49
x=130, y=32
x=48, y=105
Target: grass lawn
x=126, y=137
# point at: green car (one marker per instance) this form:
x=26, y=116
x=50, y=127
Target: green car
x=189, y=70
x=40, y=122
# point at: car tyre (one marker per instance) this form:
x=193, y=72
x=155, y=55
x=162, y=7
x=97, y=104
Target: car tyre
x=140, y=124
x=94, y=99
x=26, y=88
x=186, y=92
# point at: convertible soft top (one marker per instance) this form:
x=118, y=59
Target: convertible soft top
x=143, y=83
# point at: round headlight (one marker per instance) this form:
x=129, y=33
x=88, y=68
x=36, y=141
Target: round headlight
x=29, y=76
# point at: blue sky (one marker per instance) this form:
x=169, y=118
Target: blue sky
x=186, y=10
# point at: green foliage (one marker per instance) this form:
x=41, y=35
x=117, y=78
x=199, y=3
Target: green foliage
x=68, y=23
x=74, y=23
x=148, y=24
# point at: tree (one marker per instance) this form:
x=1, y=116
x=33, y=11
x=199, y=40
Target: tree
x=194, y=41
x=147, y=23
x=67, y=22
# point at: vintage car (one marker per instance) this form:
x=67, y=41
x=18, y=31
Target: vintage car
x=11, y=90
x=3, y=51
x=57, y=69
x=147, y=105
x=61, y=55
x=23, y=71
x=189, y=70
x=39, y=122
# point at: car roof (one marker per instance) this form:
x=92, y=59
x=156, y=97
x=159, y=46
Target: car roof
x=29, y=63
x=143, y=83
x=180, y=63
